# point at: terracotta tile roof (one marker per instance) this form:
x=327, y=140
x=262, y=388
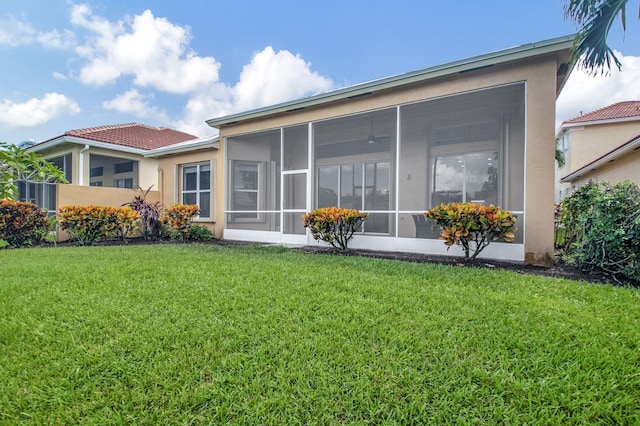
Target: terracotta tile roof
x=132, y=135
x=611, y=112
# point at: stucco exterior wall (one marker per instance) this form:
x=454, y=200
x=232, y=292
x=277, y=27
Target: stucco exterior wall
x=593, y=141
x=169, y=176
x=625, y=168
x=75, y=195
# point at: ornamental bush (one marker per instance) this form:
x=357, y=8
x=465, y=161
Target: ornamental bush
x=89, y=224
x=200, y=233
x=602, y=222
x=472, y=226
x=22, y=223
x=334, y=225
x=179, y=217
x=150, y=224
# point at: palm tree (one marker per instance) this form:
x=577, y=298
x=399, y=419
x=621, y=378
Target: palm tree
x=594, y=18
x=561, y=159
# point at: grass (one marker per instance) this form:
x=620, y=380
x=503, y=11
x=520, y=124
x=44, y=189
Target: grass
x=203, y=334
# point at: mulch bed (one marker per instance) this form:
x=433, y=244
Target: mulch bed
x=558, y=270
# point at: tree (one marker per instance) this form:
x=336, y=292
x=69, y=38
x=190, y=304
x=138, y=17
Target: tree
x=18, y=164
x=594, y=18
x=561, y=159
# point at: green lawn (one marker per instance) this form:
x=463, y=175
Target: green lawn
x=204, y=334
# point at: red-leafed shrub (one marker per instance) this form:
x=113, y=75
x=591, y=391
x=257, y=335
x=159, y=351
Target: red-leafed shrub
x=334, y=225
x=22, y=223
x=90, y=224
x=472, y=226
x=179, y=217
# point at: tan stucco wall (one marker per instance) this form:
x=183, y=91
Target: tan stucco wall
x=169, y=175
x=540, y=164
x=625, y=168
x=75, y=195
x=593, y=141
x=540, y=77
x=588, y=143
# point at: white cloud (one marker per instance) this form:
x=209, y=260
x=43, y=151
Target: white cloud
x=154, y=53
x=213, y=102
x=151, y=50
x=58, y=75
x=14, y=32
x=133, y=102
x=35, y=112
x=273, y=77
x=586, y=93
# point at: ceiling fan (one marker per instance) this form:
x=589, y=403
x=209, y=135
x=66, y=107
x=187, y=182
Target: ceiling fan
x=372, y=139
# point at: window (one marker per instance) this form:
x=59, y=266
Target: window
x=96, y=183
x=123, y=183
x=196, y=187
x=470, y=177
x=245, y=189
x=565, y=142
x=96, y=171
x=63, y=162
x=123, y=167
x=342, y=186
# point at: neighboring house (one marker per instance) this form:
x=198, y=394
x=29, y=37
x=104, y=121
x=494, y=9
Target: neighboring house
x=480, y=130
x=102, y=164
x=603, y=145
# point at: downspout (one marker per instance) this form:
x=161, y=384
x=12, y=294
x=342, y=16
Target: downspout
x=161, y=183
x=81, y=165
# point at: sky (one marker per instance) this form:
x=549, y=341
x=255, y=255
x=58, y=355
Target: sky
x=70, y=65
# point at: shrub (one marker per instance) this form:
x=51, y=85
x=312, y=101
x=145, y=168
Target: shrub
x=150, y=224
x=604, y=224
x=334, y=225
x=90, y=224
x=472, y=226
x=22, y=223
x=179, y=216
x=200, y=233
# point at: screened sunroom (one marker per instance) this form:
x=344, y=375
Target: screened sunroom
x=393, y=163
x=478, y=130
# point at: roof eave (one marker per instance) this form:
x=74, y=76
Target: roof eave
x=604, y=121
x=198, y=144
x=52, y=143
x=363, y=89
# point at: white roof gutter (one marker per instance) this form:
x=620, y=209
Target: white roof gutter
x=186, y=146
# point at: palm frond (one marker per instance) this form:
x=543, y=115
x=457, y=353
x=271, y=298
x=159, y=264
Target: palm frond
x=590, y=49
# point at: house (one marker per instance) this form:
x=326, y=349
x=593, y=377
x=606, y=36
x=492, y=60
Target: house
x=602, y=145
x=102, y=165
x=480, y=129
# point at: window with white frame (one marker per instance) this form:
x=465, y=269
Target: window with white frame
x=246, y=185
x=196, y=187
x=123, y=183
